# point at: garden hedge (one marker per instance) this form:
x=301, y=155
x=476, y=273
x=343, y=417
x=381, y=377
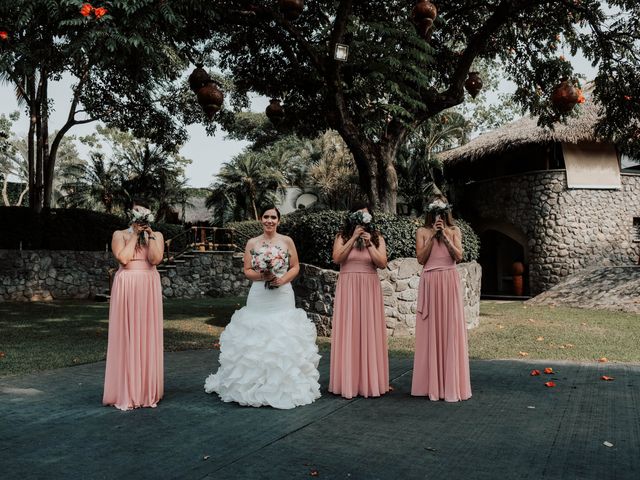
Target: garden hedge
x=66, y=229
x=313, y=232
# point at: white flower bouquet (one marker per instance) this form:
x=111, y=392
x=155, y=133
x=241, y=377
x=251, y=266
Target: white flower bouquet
x=270, y=259
x=364, y=219
x=141, y=216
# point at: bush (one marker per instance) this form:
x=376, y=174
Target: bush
x=65, y=229
x=314, y=231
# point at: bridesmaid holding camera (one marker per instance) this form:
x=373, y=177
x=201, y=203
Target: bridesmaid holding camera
x=359, y=354
x=134, y=375
x=441, y=362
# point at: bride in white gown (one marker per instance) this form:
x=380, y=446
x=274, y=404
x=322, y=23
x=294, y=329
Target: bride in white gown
x=268, y=352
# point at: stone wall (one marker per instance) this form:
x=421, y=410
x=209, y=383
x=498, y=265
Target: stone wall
x=46, y=275
x=214, y=274
x=566, y=230
x=27, y=275
x=315, y=291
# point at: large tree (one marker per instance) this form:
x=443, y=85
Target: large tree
x=120, y=56
x=395, y=80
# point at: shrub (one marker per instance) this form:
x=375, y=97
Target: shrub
x=66, y=229
x=314, y=231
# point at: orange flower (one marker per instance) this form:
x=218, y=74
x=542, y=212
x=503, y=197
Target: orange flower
x=2, y=354
x=86, y=9
x=606, y=379
x=550, y=384
x=535, y=373
x=548, y=370
x=603, y=360
x=626, y=97
x=100, y=12
x=4, y=35
x=581, y=98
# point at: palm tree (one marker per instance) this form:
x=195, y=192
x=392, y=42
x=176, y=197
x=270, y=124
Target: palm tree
x=244, y=183
x=93, y=185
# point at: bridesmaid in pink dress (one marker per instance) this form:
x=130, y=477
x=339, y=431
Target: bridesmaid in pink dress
x=441, y=363
x=134, y=375
x=359, y=356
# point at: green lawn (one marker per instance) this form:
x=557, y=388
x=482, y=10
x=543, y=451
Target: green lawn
x=44, y=335
x=40, y=336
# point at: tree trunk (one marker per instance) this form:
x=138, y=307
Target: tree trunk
x=31, y=180
x=5, y=196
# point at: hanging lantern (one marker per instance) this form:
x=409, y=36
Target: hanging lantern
x=274, y=111
x=473, y=84
x=198, y=78
x=291, y=9
x=423, y=14
x=565, y=96
x=210, y=98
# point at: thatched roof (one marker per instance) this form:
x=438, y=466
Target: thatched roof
x=525, y=131
x=197, y=211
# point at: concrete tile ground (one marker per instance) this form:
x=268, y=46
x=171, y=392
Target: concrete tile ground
x=53, y=426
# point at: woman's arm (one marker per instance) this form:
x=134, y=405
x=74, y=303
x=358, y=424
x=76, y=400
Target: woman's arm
x=424, y=244
x=249, y=272
x=378, y=254
x=123, y=249
x=156, y=246
x=341, y=248
x=452, y=238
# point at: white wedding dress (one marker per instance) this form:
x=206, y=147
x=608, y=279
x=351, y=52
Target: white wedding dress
x=268, y=353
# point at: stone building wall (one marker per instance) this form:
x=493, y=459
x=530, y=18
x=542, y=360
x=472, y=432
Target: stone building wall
x=315, y=292
x=566, y=230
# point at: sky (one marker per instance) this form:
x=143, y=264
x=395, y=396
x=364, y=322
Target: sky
x=207, y=153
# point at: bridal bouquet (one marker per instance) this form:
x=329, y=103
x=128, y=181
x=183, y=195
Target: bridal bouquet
x=270, y=259
x=364, y=220
x=438, y=208
x=141, y=216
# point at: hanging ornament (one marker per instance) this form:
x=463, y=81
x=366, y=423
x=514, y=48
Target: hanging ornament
x=210, y=98
x=291, y=9
x=198, y=78
x=565, y=96
x=274, y=111
x=423, y=14
x=473, y=84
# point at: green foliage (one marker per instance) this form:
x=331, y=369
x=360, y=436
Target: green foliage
x=65, y=229
x=245, y=230
x=313, y=232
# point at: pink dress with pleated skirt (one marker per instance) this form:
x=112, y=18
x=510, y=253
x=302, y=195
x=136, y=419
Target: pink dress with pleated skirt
x=359, y=353
x=441, y=362
x=134, y=375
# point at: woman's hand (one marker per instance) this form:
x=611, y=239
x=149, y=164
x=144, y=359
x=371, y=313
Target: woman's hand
x=357, y=233
x=276, y=281
x=267, y=276
x=366, y=238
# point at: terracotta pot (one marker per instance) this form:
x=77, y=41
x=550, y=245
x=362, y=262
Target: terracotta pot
x=565, y=96
x=198, y=78
x=517, y=268
x=291, y=9
x=210, y=98
x=274, y=111
x=473, y=84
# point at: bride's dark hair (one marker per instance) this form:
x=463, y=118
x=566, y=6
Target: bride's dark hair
x=269, y=207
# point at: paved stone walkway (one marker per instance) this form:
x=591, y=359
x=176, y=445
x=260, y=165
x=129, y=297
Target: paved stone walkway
x=52, y=426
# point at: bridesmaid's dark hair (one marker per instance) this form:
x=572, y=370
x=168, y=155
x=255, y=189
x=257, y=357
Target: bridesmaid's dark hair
x=141, y=202
x=348, y=226
x=269, y=207
x=430, y=219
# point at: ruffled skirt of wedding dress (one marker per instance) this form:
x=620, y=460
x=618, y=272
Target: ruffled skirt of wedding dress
x=268, y=353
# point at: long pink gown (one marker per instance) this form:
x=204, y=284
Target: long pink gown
x=441, y=362
x=359, y=353
x=134, y=375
